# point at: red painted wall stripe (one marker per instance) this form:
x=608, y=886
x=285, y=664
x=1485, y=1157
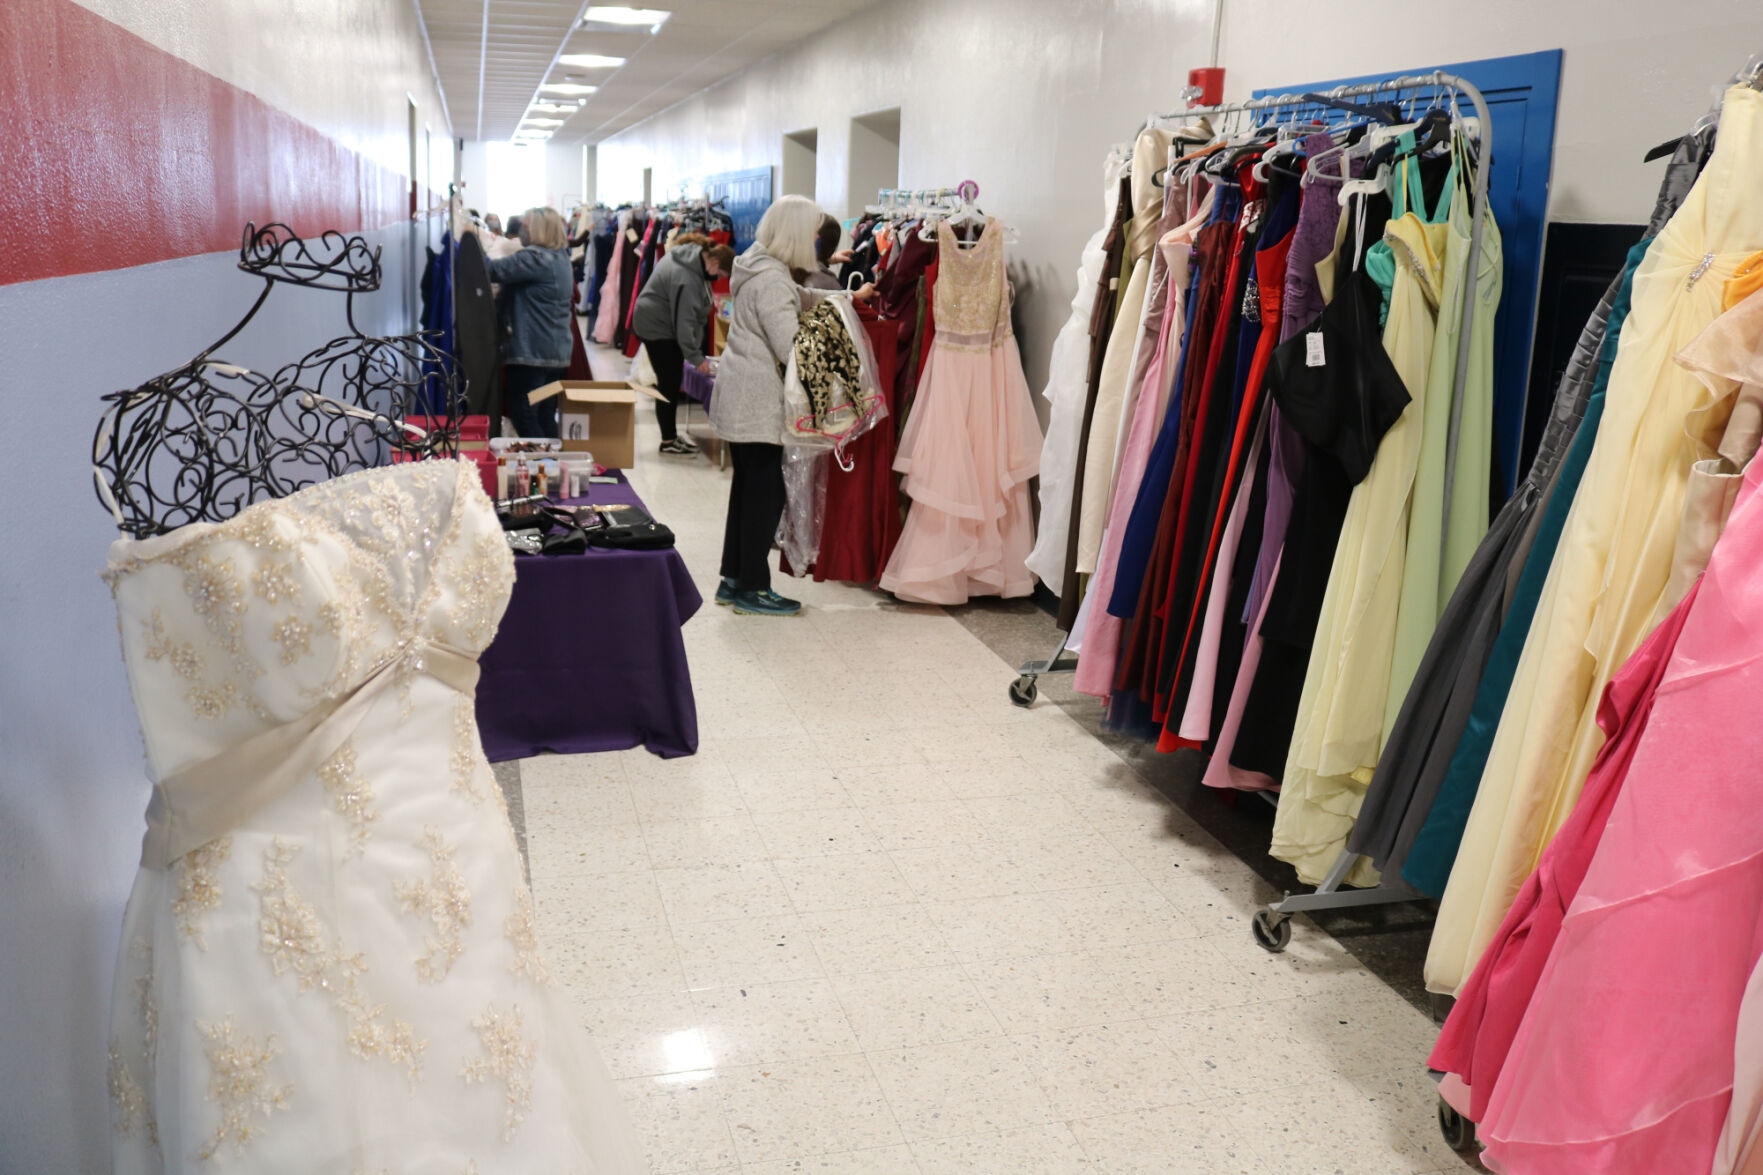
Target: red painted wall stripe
x=117, y=153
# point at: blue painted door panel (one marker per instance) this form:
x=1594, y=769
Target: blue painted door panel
x=1521, y=93
x=748, y=194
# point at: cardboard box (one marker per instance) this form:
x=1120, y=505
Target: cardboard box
x=598, y=417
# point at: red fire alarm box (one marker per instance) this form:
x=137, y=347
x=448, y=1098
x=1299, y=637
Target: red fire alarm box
x=1206, y=86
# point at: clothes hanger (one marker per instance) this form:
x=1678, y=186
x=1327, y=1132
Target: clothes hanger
x=1287, y=138
x=1751, y=76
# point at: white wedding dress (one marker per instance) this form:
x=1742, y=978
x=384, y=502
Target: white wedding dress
x=329, y=962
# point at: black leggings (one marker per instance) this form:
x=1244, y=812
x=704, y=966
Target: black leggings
x=669, y=363
x=755, y=504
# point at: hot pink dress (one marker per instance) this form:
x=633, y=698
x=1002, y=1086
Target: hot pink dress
x=1624, y=1062
x=971, y=442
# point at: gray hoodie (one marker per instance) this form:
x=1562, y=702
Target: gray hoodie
x=675, y=302
x=748, y=406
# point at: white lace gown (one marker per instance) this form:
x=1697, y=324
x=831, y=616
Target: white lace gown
x=329, y=961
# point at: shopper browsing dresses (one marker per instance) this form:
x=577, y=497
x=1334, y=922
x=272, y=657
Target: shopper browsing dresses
x=748, y=409
x=672, y=317
x=533, y=310
x=826, y=245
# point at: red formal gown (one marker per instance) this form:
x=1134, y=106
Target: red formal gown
x=862, y=506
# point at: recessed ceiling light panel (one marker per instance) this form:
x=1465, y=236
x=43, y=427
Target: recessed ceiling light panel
x=568, y=89
x=590, y=61
x=541, y=122
x=625, y=17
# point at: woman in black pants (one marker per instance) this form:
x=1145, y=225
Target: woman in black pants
x=748, y=408
x=671, y=319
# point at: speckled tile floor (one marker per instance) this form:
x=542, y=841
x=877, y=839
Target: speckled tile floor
x=885, y=922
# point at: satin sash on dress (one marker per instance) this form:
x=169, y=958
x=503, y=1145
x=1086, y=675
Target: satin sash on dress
x=206, y=800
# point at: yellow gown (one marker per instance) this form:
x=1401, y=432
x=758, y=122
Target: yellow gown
x=1440, y=546
x=1614, y=560
x=1338, y=732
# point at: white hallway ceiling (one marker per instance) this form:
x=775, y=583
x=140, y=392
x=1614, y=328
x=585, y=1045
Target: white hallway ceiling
x=493, y=55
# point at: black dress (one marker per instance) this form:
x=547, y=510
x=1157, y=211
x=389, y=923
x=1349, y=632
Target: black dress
x=1337, y=388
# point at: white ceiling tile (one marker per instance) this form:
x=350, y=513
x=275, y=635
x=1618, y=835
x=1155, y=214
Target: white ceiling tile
x=490, y=79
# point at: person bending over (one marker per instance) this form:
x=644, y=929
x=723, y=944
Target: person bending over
x=672, y=318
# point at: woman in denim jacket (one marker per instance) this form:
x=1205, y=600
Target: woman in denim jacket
x=533, y=309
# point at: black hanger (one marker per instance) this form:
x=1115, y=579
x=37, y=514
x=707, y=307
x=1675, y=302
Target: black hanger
x=1384, y=112
x=1662, y=150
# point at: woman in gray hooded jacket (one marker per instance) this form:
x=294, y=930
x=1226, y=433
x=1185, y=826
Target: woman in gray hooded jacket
x=672, y=318
x=747, y=410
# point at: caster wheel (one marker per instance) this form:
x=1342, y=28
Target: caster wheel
x=1459, y=1131
x=1273, y=932
x=1023, y=691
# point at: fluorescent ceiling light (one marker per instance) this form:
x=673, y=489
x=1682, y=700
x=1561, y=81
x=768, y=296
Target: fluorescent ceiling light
x=567, y=88
x=555, y=107
x=538, y=122
x=590, y=61
x=619, y=14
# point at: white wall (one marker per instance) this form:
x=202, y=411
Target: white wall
x=1024, y=97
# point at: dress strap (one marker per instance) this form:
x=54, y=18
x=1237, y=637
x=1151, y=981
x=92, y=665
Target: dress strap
x=207, y=800
x=1408, y=188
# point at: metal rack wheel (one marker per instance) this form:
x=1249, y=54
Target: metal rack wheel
x=1273, y=930
x=1459, y=1132
x=1023, y=690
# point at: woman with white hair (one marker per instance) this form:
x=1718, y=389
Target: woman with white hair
x=748, y=408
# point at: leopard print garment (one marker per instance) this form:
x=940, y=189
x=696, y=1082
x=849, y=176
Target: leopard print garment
x=826, y=361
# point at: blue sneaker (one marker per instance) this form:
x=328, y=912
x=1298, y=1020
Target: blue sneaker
x=725, y=592
x=767, y=603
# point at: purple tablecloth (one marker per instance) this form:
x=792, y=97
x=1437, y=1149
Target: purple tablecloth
x=589, y=656
x=694, y=384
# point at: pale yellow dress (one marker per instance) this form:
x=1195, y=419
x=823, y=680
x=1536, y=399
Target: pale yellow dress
x=1339, y=727
x=1149, y=154
x=1439, y=547
x=1615, y=558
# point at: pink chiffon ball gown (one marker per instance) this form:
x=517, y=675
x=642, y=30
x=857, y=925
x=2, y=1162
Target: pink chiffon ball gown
x=1625, y=1060
x=971, y=443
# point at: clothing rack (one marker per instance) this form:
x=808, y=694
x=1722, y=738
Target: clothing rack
x=1272, y=923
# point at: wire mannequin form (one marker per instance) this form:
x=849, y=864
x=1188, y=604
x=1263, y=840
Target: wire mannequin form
x=204, y=441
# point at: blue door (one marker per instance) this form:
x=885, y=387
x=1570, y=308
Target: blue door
x=748, y=195
x=1521, y=94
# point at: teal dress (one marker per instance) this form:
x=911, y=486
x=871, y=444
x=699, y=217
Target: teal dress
x=1429, y=862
